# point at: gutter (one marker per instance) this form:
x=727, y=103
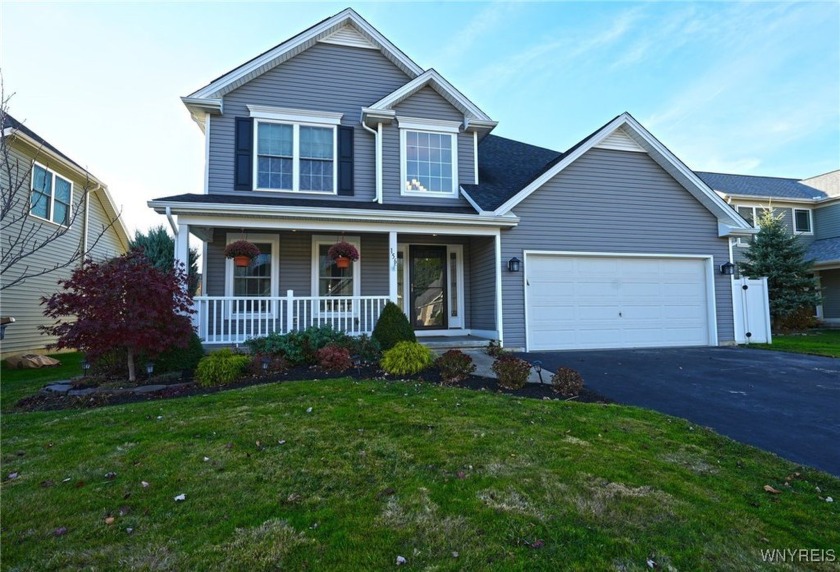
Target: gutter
x=170, y=219
x=166, y=207
x=377, y=140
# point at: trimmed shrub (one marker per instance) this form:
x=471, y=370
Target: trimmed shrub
x=221, y=368
x=512, y=371
x=364, y=346
x=334, y=358
x=455, y=366
x=407, y=358
x=178, y=360
x=276, y=364
x=392, y=327
x=567, y=382
x=494, y=349
x=298, y=347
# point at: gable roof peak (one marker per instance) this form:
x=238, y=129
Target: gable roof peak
x=296, y=44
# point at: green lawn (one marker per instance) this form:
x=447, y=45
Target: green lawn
x=378, y=470
x=821, y=342
x=18, y=383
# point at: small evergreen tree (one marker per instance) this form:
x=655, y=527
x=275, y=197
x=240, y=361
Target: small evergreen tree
x=392, y=327
x=123, y=304
x=780, y=256
x=159, y=248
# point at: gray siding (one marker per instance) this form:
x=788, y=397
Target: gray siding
x=429, y=104
x=23, y=300
x=830, y=283
x=827, y=221
x=482, y=270
x=612, y=201
x=786, y=212
x=325, y=77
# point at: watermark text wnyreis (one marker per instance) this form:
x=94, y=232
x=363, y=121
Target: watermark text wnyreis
x=798, y=555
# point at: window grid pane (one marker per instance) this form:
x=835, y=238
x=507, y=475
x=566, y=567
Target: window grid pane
x=334, y=282
x=428, y=162
x=41, y=192
x=254, y=280
x=274, y=150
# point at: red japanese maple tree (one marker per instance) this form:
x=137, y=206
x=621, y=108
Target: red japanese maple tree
x=124, y=303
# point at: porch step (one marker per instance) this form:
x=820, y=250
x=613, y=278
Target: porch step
x=453, y=342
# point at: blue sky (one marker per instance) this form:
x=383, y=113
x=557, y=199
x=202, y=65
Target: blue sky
x=751, y=88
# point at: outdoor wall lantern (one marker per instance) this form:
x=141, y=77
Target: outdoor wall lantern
x=727, y=269
x=514, y=264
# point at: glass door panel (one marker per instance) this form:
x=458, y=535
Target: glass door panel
x=428, y=290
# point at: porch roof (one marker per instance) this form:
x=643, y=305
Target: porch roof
x=281, y=201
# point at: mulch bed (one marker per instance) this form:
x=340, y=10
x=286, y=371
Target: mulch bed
x=49, y=401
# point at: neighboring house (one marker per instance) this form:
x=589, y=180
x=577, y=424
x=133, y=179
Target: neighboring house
x=53, y=186
x=810, y=209
x=336, y=133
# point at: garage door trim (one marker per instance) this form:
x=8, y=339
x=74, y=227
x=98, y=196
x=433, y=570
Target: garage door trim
x=710, y=280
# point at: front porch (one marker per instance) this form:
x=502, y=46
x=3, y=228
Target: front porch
x=446, y=283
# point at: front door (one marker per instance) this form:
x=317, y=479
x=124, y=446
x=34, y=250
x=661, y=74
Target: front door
x=427, y=291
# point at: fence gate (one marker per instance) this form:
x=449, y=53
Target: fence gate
x=752, y=311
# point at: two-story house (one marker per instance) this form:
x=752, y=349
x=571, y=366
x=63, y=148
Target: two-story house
x=57, y=209
x=810, y=209
x=337, y=134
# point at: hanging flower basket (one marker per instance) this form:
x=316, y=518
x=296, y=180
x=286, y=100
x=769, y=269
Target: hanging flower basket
x=242, y=252
x=343, y=253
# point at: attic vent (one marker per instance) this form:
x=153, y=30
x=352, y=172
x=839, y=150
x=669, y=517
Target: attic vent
x=619, y=140
x=348, y=36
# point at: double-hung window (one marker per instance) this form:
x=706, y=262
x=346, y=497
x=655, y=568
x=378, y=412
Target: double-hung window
x=336, y=287
x=295, y=150
x=429, y=154
x=802, y=221
x=51, y=197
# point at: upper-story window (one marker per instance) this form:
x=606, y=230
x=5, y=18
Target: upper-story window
x=51, y=197
x=429, y=155
x=295, y=150
x=802, y=221
x=750, y=214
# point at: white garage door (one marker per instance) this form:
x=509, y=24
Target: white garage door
x=590, y=302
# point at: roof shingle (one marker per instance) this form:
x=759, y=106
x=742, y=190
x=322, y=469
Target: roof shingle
x=750, y=185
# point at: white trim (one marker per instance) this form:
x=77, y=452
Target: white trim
x=249, y=216
x=453, y=194
x=203, y=268
x=475, y=157
x=290, y=115
x=722, y=210
x=433, y=78
x=53, y=175
x=393, y=262
x=474, y=204
x=618, y=140
x=269, y=59
x=348, y=36
x=319, y=240
x=272, y=239
x=810, y=212
x=458, y=251
x=296, y=158
x=432, y=125
x=499, y=309
x=711, y=312
x=206, y=153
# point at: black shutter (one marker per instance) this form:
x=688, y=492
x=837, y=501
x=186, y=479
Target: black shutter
x=345, y=161
x=243, y=154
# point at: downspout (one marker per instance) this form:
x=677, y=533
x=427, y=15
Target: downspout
x=171, y=220
x=377, y=139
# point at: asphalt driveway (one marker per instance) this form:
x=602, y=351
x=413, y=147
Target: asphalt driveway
x=782, y=402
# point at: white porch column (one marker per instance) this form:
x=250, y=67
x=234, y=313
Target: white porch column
x=392, y=266
x=499, y=266
x=182, y=246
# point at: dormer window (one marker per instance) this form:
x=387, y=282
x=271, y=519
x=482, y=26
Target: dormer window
x=429, y=154
x=295, y=150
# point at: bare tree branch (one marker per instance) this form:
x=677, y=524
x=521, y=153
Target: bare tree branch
x=21, y=235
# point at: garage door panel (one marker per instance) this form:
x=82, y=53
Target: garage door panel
x=580, y=302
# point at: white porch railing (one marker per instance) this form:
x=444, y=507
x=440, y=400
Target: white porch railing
x=232, y=319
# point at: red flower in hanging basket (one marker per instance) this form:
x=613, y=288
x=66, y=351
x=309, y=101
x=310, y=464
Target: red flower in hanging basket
x=242, y=248
x=343, y=249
